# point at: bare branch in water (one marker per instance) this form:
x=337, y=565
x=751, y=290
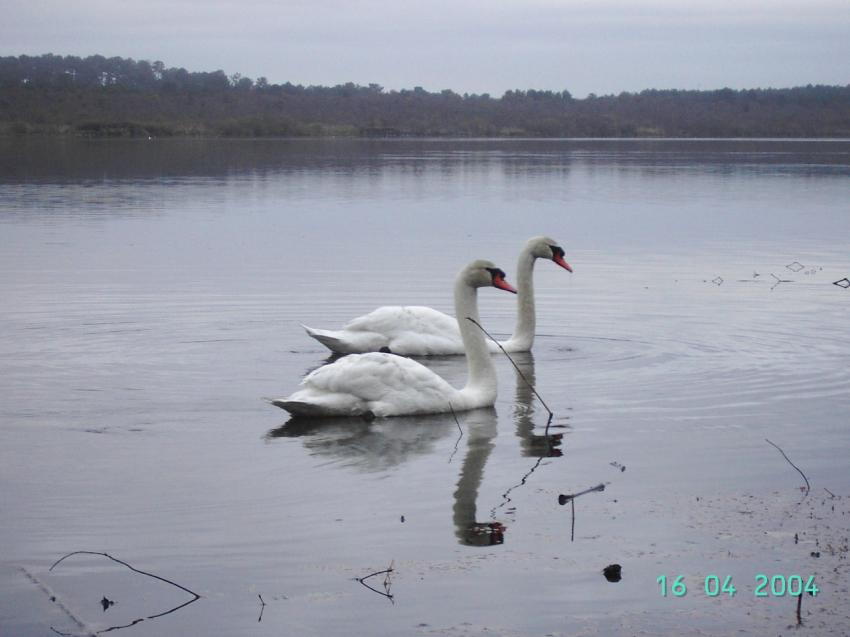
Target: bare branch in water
x=387, y=582
x=516, y=367
x=262, y=608
x=573, y=525
x=808, y=486
x=195, y=596
x=571, y=498
x=564, y=498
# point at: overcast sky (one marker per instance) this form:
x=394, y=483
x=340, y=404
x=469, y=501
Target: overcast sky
x=475, y=46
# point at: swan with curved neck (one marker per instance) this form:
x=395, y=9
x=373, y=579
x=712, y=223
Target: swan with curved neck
x=382, y=384
x=423, y=331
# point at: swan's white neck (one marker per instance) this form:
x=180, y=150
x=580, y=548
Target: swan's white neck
x=482, y=374
x=523, y=336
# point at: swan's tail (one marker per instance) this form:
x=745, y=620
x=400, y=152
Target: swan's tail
x=296, y=407
x=328, y=339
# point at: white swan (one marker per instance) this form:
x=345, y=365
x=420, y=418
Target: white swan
x=422, y=331
x=382, y=384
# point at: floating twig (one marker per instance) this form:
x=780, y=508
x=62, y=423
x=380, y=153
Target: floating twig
x=571, y=498
x=800, y=609
x=519, y=371
x=573, y=524
x=830, y=493
x=808, y=486
x=842, y=283
x=778, y=280
x=564, y=498
x=262, y=608
x=195, y=596
x=387, y=582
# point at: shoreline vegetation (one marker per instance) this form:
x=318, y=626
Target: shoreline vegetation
x=98, y=97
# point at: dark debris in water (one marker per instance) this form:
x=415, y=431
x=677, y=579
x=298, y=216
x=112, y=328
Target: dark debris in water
x=106, y=603
x=795, y=266
x=613, y=572
x=842, y=283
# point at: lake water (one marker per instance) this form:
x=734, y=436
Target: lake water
x=150, y=300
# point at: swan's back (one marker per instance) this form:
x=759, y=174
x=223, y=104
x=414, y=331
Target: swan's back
x=377, y=383
x=411, y=329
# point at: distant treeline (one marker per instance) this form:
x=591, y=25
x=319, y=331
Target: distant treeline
x=106, y=97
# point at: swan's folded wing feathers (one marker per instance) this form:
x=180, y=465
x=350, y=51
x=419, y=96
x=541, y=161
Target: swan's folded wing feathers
x=392, y=320
x=378, y=377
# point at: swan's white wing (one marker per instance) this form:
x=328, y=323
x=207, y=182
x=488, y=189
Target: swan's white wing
x=392, y=319
x=383, y=384
x=408, y=330
x=414, y=330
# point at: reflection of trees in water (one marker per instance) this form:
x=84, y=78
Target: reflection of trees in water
x=388, y=442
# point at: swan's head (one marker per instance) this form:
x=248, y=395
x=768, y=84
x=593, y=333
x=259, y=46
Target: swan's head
x=482, y=274
x=546, y=248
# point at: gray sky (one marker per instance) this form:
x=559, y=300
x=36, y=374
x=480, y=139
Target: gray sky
x=584, y=46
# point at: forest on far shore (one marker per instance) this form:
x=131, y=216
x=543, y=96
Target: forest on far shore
x=117, y=97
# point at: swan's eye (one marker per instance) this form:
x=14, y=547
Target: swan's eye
x=557, y=251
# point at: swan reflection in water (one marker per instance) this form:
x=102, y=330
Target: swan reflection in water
x=385, y=443
x=539, y=446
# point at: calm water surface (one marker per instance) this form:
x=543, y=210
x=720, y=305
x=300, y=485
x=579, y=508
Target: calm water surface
x=150, y=299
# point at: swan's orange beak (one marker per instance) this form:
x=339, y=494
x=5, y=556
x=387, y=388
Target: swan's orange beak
x=560, y=261
x=499, y=282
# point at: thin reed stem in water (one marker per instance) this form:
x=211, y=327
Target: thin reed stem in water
x=808, y=486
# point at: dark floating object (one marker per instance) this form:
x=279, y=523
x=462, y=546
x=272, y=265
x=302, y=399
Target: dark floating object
x=815, y=553
x=842, y=283
x=717, y=280
x=795, y=266
x=402, y=519
x=613, y=572
x=106, y=603
x=619, y=466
